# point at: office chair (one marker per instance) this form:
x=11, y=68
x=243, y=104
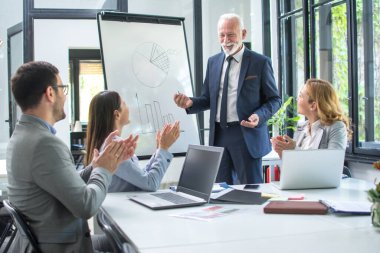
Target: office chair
x=22, y=225
x=346, y=172
x=127, y=248
x=9, y=229
x=118, y=244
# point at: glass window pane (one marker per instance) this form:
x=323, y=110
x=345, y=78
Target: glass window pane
x=76, y=4
x=331, y=49
x=90, y=83
x=289, y=5
x=368, y=43
x=292, y=55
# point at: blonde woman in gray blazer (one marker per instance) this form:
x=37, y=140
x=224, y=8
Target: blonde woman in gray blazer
x=43, y=184
x=326, y=128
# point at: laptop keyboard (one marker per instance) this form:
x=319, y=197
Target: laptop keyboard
x=174, y=198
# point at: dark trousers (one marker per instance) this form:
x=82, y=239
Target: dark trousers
x=237, y=166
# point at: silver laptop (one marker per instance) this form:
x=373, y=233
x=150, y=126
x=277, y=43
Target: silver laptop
x=308, y=169
x=195, y=183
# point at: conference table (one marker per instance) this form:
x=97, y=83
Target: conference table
x=249, y=229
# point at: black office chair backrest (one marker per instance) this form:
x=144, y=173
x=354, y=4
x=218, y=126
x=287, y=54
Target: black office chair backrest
x=346, y=172
x=119, y=245
x=6, y=225
x=21, y=225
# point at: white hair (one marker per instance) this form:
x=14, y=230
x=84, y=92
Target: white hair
x=229, y=16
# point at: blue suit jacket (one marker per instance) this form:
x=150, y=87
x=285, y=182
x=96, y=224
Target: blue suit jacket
x=257, y=93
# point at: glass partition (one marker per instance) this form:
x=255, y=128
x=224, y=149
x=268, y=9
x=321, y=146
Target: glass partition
x=331, y=51
x=290, y=5
x=292, y=54
x=76, y=4
x=368, y=58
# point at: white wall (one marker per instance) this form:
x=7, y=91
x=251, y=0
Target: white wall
x=52, y=40
x=76, y=4
x=10, y=15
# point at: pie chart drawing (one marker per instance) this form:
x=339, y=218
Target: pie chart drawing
x=150, y=64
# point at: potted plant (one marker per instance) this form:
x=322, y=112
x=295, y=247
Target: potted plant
x=280, y=121
x=374, y=197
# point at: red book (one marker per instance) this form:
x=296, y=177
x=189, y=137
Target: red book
x=267, y=173
x=276, y=173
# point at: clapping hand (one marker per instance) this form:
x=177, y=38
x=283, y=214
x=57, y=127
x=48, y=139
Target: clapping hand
x=130, y=143
x=280, y=143
x=110, y=157
x=168, y=135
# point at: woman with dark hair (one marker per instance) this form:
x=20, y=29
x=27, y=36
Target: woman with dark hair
x=107, y=113
x=326, y=126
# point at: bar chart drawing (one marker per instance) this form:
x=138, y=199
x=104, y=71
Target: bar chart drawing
x=151, y=117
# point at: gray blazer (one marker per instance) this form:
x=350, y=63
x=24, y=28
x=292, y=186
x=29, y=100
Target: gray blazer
x=44, y=185
x=333, y=137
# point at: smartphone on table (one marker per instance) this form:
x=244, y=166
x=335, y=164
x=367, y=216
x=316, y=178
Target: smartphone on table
x=251, y=186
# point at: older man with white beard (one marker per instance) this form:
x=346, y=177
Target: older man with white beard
x=238, y=115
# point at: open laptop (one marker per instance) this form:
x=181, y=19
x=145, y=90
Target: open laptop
x=308, y=169
x=195, y=183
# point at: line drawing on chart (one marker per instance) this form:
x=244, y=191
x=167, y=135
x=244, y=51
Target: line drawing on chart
x=151, y=117
x=150, y=64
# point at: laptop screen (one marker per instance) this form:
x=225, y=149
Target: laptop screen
x=199, y=170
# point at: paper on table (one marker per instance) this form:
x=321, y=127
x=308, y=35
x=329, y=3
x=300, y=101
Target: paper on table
x=233, y=196
x=217, y=187
x=208, y=213
x=349, y=207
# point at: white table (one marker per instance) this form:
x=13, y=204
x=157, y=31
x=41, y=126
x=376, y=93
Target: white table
x=3, y=168
x=249, y=230
x=3, y=171
x=3, y=178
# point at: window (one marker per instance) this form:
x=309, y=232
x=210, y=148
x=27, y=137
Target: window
x=75, y=4
x=86, y=75
x=292, y=47
x=368, y=75
x=331, y=50
x=344, y=49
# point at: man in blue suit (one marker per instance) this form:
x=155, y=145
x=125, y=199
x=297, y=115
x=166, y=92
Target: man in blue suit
x=237, y=118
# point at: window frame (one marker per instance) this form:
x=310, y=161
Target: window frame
x=75, y=57
x=353, y=152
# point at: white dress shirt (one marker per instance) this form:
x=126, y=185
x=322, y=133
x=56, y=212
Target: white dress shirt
x=312, y=136
x=233, y=81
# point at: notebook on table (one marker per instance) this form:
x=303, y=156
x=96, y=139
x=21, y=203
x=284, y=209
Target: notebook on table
x=296, y=207
x=308, y=169
x=195, y=184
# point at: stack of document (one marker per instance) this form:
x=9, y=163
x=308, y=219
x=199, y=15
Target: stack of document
x=208, y=213
x=233, y=196
x=349, y=207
